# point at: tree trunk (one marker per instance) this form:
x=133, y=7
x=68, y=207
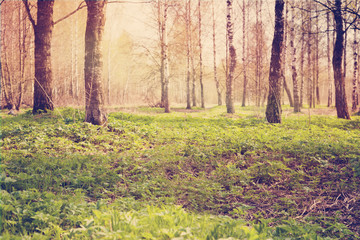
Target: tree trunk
x=217, y=83
x=309, y=64
x=302, y=56
x=200, y=61
x=340, y=94
x=286, y=87
x=329, y=102
x=273, y=108
x=257, y=56
x=244, y=54
x=188, y=97
x=316, y=85
x=293, y=63
x=94, y=96
x=166, y=60
x=355, y=96
x=43, y=73
x=229, y=80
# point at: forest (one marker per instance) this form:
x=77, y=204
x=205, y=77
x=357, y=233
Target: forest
x=180, y=119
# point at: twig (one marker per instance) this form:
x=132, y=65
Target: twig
x=72, y=13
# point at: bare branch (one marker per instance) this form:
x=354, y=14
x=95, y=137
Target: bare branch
x=26, y=3
x=81, y=5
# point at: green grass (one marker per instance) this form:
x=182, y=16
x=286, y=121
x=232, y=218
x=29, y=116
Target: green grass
x=184, y=175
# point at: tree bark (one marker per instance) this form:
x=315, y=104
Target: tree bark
x=293, y=62
x=188, y=97
x=355, y=96
x=200, y=61
x=94, y=96
x=285, y=85
x=217, y=83
x=244, y=53
x=340, y=94
x=309, y=64
x=329, y=102
x=273, y=108
x=302, y=56
x=166, y=60
x=43, y=72
x=229, y=80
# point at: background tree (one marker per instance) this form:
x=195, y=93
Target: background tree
x=200, y=60
x=293, y=61
x=284, y=55
x=273, y=108
x=340, y=94
x=217, y=82
x=330, y=82
x=230, y=78
x=244, y=51
x=94, y=96
x=164, y=66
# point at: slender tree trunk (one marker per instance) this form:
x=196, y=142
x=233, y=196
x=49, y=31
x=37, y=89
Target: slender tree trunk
x=188, y=98
x=286, y=87
x=217, y=83
x=244, y=53
x=77, y=93
x=330, y=83
x=257, y=56
x=309, y=65
x=162, y=63
x=193, y=73
x=229, y=80
x=355, y=96
x=317, y=88
x=94, y=99
x=293, y=62
x=273, y=108
x=302, y=56
x=200, y=60
x=340, y=94
x=166, y=60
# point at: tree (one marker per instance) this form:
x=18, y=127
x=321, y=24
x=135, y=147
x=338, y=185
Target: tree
x=273, y=108
x=217, y=82
x=286, y=87
x=164, y=66
x=43, y=71
x=229, y=80
x=309, y=64
x=355, y=95
x=244, y=53
x=200, y=60
x=330, y=83
x=293, y=61
x=94, y=96
x=188, y=32
x=15, y=39
x=340, y=94
x=302, y=40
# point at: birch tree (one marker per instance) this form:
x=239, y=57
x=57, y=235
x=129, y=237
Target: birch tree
x=273, y=108
x=293, y=61
x=232, y=52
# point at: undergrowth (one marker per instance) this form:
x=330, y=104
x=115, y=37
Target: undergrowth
x=184, y=175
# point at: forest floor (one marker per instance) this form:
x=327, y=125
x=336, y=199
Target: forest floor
x=190, y=174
